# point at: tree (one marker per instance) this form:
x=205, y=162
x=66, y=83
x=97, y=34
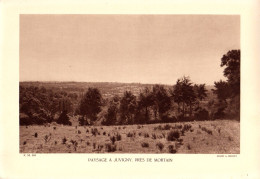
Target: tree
x=184, y=94
x=91, y=103
x=222, y=90
x=127, y=108
x=231, y=61
x=64, y=119
x=176, y=94
x=200, y=92
x=161, y=99
x=145, y=101
x=112, y=111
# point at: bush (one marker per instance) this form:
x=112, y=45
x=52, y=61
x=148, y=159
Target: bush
x=166, y=127
x=110, y=147
x=160, y=146
x=24, y=119
x=145, y=144
x=82, y=121
x=173, y=135
x=220, y=114
x=188, y=147
x=94, y=131
x=186, y=127
x=167, y=119
x=207, y=130
x=153, y=136
x=158, y=128
x=113, y=139
x=146, y=135
x=129, y=134
x=64, y=119
x=118, y=136
x=172, y=149
x=201, y=114
x=64, y=140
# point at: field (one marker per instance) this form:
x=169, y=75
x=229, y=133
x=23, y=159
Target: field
x=198, y=137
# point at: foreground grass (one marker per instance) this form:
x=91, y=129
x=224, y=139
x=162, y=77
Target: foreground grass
x=203, y=137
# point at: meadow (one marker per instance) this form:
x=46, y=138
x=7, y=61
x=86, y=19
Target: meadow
x=196, y=137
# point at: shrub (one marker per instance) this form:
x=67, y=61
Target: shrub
x=110, y=147
x=79, y=132
x=153, y=136
x=75, y=144
x=88, y=143
x=129, y=134
x=188, y=147
x=207, y=130
x=64, y=140
x=173, y=135
x=172, y=149
x=64, y=119
x=160, y=146
x=36, y=134
x=54, y=128
x=145, y=144
x=94, y=131
x=118, y=137
x=113, y=139
x=24, y=143
x=167, y=127
x=100, y=147
x=158, y=128
x=177, y=126
x=187, y=127
x=201, y=114
x=104, y=133
x=146, y=135
x=47, y=138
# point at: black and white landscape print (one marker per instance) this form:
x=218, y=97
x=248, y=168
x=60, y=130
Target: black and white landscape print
x=129, y=84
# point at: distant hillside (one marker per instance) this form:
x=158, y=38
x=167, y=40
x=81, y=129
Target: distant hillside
x=108, y=89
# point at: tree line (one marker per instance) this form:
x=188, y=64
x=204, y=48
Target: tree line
x=181, y=102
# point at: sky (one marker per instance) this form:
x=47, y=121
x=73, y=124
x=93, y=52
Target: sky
x=126, y=48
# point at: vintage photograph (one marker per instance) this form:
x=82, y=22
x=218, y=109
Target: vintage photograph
x=129, y=84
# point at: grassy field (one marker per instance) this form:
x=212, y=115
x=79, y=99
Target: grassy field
x=198, y=137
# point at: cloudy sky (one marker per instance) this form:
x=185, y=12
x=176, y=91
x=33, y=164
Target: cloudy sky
x=125, y=48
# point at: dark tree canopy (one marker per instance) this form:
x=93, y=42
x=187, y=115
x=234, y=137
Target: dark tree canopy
x=64, y=118
x=91, y=103
x=183, y=93
x=145, y=101
x=231, y=62
x=200, y=91
x=112, y=111
x=162, y=100
x=222, y=90
x=128, y=107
